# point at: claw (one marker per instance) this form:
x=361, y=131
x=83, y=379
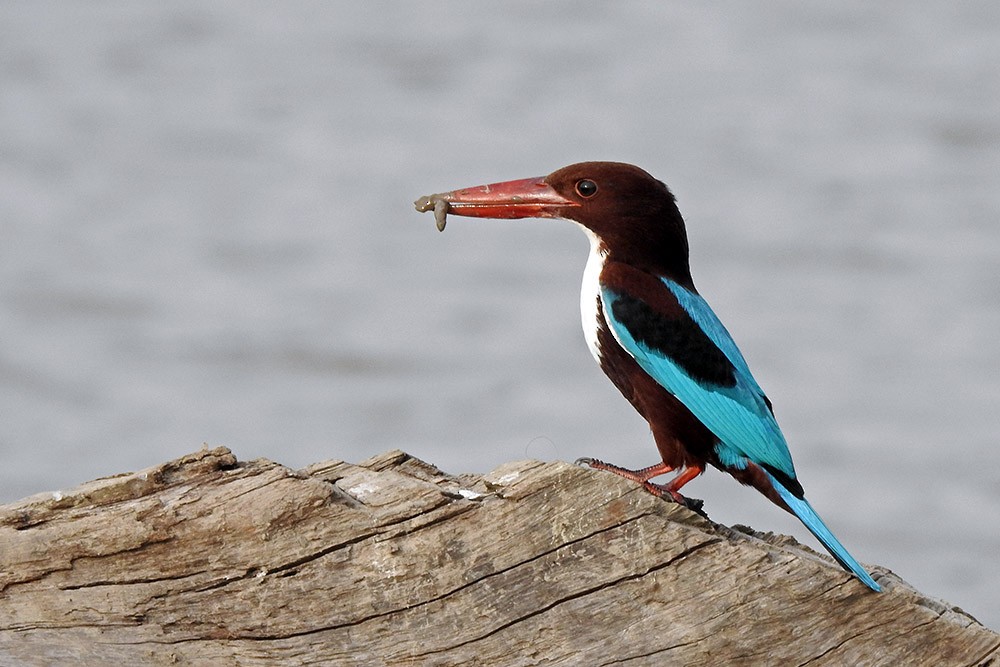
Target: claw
x=669, y=492
x=664, y=492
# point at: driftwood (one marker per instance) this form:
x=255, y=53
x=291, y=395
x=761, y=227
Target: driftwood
x=207, y=560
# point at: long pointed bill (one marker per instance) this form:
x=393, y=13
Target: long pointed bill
x=524, y=198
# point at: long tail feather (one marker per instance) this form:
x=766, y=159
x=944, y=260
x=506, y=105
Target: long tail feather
x=807, y=515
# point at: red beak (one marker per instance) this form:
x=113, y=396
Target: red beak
x=524, y=198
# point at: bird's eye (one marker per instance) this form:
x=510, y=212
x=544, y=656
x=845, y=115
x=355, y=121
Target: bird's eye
x=586, y=188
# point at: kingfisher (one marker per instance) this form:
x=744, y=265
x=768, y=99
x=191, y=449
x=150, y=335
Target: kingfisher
x=654, y=335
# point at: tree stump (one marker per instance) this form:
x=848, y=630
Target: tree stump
x=210, y=561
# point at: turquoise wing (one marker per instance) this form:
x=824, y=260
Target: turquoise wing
x=693, y=357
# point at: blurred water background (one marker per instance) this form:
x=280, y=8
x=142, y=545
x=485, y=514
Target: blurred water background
x=207, y=236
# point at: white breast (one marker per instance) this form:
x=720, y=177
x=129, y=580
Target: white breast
x=590, y=293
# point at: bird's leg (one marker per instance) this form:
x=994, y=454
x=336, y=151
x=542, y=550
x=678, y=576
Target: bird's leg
x=673, y=487
x=668, y=491
x=640, y=476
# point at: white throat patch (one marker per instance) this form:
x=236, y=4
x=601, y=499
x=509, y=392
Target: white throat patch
x=590, y=293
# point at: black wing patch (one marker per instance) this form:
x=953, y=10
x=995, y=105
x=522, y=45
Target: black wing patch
x=679, y=339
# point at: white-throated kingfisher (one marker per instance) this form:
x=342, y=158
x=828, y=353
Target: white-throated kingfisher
x=654, y=336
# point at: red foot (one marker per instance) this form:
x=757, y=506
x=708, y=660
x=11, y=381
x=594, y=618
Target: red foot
x=668, y=491
x=663, y=491
x=639, y=476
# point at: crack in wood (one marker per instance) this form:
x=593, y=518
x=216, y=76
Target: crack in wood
x=981, y=660
x=650, y=654
x=589, y=591
x=843, y=642
x=128, y=582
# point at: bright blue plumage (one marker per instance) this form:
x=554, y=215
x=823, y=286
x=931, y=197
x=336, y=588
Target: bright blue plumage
x=737, y=415
x=807, y=515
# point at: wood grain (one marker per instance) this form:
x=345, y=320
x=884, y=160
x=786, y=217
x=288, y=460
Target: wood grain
x=210, y=561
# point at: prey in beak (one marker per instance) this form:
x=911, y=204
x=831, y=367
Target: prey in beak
x=523, y=198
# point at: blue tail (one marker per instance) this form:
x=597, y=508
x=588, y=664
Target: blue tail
x=807, y=515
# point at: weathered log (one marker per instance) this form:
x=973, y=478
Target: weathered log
x=207, y=560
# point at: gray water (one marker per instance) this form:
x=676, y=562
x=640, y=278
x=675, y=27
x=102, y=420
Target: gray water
x=207, y=236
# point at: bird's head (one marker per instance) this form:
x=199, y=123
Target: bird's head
x=632, y=215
